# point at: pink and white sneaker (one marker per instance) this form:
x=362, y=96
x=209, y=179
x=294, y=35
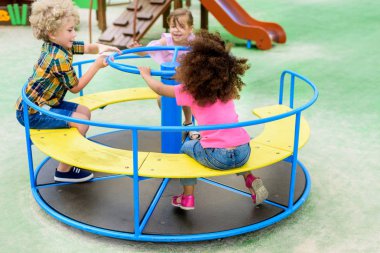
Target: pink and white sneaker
x=185, y=202
x=261, y=193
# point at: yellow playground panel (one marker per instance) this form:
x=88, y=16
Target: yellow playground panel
x=274, y=144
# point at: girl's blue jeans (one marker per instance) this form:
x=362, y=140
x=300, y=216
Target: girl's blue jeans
x=215, y=158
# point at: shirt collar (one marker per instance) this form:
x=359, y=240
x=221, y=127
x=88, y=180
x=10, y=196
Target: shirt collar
x=49, y=46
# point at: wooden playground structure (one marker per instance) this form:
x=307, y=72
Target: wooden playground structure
x=139, y=16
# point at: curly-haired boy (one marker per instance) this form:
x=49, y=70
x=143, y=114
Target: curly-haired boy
x=54, y=21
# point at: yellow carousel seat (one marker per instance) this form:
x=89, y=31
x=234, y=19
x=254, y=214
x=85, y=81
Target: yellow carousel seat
x=272, y=145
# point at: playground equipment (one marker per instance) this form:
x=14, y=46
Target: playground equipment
x=228, y=12
x=132, y=199
x=122, y=32
x=239, y=23
x=15, y=12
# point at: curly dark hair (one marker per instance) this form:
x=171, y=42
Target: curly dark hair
x=209, y=71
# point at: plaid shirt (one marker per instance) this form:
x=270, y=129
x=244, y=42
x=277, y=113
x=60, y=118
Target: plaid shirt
x=53, y=75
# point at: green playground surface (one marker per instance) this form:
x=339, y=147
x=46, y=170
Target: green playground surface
x=334, y=43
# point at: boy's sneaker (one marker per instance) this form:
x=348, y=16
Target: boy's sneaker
x=185, y=202
x=74, y=175
x=261, y=193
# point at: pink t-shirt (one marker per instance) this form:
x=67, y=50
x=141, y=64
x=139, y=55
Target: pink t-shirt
x=165, y=56
x=217, y=113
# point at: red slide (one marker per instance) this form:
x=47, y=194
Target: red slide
x=239, y=23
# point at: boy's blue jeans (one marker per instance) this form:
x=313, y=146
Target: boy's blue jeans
x=43, y=121
x=215, y=158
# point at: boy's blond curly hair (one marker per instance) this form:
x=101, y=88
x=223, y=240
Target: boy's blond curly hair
x=47, y=16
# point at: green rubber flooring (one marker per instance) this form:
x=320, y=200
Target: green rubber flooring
x=334, y=43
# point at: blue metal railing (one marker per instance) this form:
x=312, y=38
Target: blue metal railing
x=294, y=111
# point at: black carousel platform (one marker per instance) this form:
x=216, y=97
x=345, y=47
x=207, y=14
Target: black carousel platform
x=222, y=203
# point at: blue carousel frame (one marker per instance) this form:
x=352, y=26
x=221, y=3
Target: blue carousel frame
x=171, y=133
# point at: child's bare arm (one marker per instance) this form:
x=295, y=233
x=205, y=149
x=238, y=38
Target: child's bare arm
x=99, y=63
x=95, y=48
x=135, y=44
x=155, y=85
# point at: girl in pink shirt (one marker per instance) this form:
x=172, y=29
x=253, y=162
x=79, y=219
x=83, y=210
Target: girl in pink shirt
x=181, y=33
x=210, y=78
